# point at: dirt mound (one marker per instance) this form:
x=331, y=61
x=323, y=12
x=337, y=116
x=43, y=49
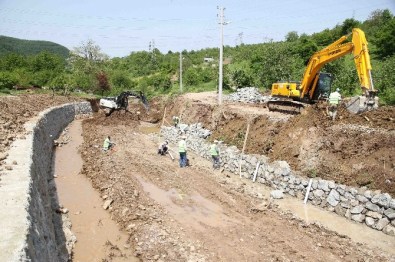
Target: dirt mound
x=356, y=150
x=17, y=110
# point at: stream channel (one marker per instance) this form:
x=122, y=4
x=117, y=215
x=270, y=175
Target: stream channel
x=91, y=224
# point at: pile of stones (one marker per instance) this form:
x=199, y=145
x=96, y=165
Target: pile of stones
x=247, y=95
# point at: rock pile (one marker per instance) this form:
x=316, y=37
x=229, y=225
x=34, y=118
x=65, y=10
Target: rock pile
x=247, y=95
x=374, y=209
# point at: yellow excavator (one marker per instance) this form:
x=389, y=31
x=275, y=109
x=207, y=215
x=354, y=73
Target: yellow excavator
x=315, y=86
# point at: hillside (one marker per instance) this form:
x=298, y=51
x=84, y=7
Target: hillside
x=30, y=47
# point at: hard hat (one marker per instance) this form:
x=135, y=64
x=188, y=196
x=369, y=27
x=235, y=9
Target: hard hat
x=184, y=137
x=337, y=90
x=215, y=141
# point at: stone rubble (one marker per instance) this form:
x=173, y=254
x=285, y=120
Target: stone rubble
x=247, y=95
x=374, y=209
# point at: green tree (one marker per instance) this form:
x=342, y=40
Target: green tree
x=12, y=61
x=7, y=80
x=292, y=36
x=384, y=79
x=385, y=39
x=85, y=62
x=348, y=25
x=103, y=84
x=121, y=81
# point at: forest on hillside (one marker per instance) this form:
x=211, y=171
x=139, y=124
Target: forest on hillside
x=30, y=47
x=88, y=69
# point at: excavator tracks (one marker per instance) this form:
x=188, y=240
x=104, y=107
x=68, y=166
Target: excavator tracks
x=289, y=107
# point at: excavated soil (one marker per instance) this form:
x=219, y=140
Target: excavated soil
x=17, y=110
x=196, y=214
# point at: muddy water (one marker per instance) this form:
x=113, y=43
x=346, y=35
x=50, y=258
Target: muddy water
x=190, y=210
x=148, y=128
x=357, y=232
x=91, y=224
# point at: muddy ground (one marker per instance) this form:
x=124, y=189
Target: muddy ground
x=195, y=214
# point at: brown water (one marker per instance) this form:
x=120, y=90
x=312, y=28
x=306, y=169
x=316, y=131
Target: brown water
x=356, y=231
x=91, y=224
x=190, y=210
x=149, y=128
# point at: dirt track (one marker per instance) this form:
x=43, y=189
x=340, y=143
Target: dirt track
x=195, y=214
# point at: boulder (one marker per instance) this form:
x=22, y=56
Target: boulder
x=382, y=200
x=357, y=210
x=369, y=221
x=389, y=230
x=374, y=215
x=277, y=194
x=333, y=198
x=390, y=213
x=382, y=223
x=372, y=207
x=359, y=218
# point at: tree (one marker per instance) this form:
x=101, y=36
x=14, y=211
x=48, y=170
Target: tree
x=102, y=82
x=120, y=80
x=348, y=25
x=385, y=39
x=306, y=47
x=85, y=63
x=90, y=52
x=292, y=36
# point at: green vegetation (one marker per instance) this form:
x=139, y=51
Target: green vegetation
x=30, y=47
x=87, y=69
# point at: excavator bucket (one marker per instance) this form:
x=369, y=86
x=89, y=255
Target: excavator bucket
x=360, y=104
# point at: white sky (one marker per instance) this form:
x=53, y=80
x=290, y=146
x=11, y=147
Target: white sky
x=121, y=26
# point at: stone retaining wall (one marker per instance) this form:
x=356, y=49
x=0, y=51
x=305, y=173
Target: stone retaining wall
x=373, y=208
x=28, y=221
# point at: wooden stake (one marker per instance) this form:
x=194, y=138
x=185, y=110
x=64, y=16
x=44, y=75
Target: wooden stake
x=245, y=139
x=244, y=145
x=164, y=115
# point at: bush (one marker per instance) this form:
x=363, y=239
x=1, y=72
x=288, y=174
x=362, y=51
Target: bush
x=7, y=80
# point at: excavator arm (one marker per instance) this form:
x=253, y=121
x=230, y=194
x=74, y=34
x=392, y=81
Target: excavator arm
x=359, y=48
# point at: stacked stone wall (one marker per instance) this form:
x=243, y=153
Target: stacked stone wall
x=29, y=223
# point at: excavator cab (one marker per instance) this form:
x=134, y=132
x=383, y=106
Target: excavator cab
x=323, y=87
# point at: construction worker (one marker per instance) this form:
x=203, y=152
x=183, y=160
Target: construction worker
x=182, y=149
x=107, y=144
x=163, y=148
x=214, y=152
x=176, y=120
x=334, y=99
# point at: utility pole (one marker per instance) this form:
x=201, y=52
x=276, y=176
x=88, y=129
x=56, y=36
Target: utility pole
x=180, y=72
x=221, y=51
